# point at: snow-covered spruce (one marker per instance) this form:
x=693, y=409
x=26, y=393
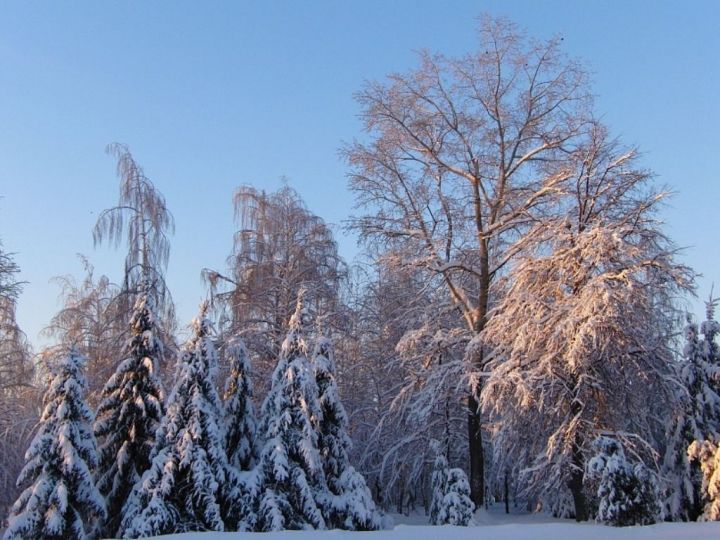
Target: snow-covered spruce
x=627, y=493
x=697, y=418
x=347, y=503
x=189, y=485
x=707, y=454
x=289, y=474
x=450, y=503
x=61, y=500
x=130, y=411
x=239, y=410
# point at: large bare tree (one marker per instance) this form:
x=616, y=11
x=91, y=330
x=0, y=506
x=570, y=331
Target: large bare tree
x=460, y=158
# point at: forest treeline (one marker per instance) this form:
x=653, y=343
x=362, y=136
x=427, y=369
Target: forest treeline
x=514, y=329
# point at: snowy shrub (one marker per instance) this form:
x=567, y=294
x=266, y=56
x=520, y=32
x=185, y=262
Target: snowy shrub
x=708, y=455
x=451, y=503
x=61, y=500
x=627, y=493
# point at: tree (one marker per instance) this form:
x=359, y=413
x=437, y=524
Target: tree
x=582, y=337
x=463, y=155
x=61, y=500
x=189, y=485
x=239, y=409
x=92, y=320
x=290, y=474
x=627, y=493
x=451, y=503
x=143, y=217
x=707, y=454
x=280, y=248
x=696, y=418
x=347, y=503
x=130, y=411
x=18, y=394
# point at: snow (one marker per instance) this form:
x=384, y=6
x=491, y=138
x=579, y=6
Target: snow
x=491, y=526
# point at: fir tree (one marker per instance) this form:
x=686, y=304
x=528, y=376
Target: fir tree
x=239, y=409
x=61, y=500
x=627, y=494
x=347, y=503
x=130, y=411
x=189, y=484
x=697, y=418
x=290, y=473
x=450, y=503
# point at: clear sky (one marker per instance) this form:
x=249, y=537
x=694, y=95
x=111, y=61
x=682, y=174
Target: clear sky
x=209, y=95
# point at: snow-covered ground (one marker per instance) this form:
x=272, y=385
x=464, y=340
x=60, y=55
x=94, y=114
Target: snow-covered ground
x=491, y=525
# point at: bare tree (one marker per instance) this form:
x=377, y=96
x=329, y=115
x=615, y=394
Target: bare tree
x=93, y=321
x=463, y=155
x=280, y=248
x=19, y=409
x=143, y=220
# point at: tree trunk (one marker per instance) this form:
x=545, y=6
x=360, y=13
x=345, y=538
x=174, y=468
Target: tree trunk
x=477, y=458
x=576, y=482
x=507, y=494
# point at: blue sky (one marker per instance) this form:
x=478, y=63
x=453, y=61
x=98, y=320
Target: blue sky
x=209, y=95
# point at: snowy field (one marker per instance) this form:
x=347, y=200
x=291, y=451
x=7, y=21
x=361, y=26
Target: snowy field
x=493, y=525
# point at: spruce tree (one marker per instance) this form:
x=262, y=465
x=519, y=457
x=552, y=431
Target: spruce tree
x=347, y=503
x=239, y=409
x=289, y=472
x=697, y=418
x=130, y=411
x=188, y=486
x=61, y=500
x=627, y=493
x=451, y=503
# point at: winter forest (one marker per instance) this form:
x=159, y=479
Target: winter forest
x=514, y=336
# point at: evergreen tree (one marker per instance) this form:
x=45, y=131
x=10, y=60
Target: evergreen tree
x=130, y=411
x=450, y=503
x=189, y=485
x=627, y=494
x=61, y=500
x=239, y=409
x=347, y=503
x=697, y=418
x=707, y=454
x=290, y=472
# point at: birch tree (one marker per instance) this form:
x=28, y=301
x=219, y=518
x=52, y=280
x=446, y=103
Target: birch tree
x=18, y=395
x=462, y=155
x=279, y=248
x=142, y=220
